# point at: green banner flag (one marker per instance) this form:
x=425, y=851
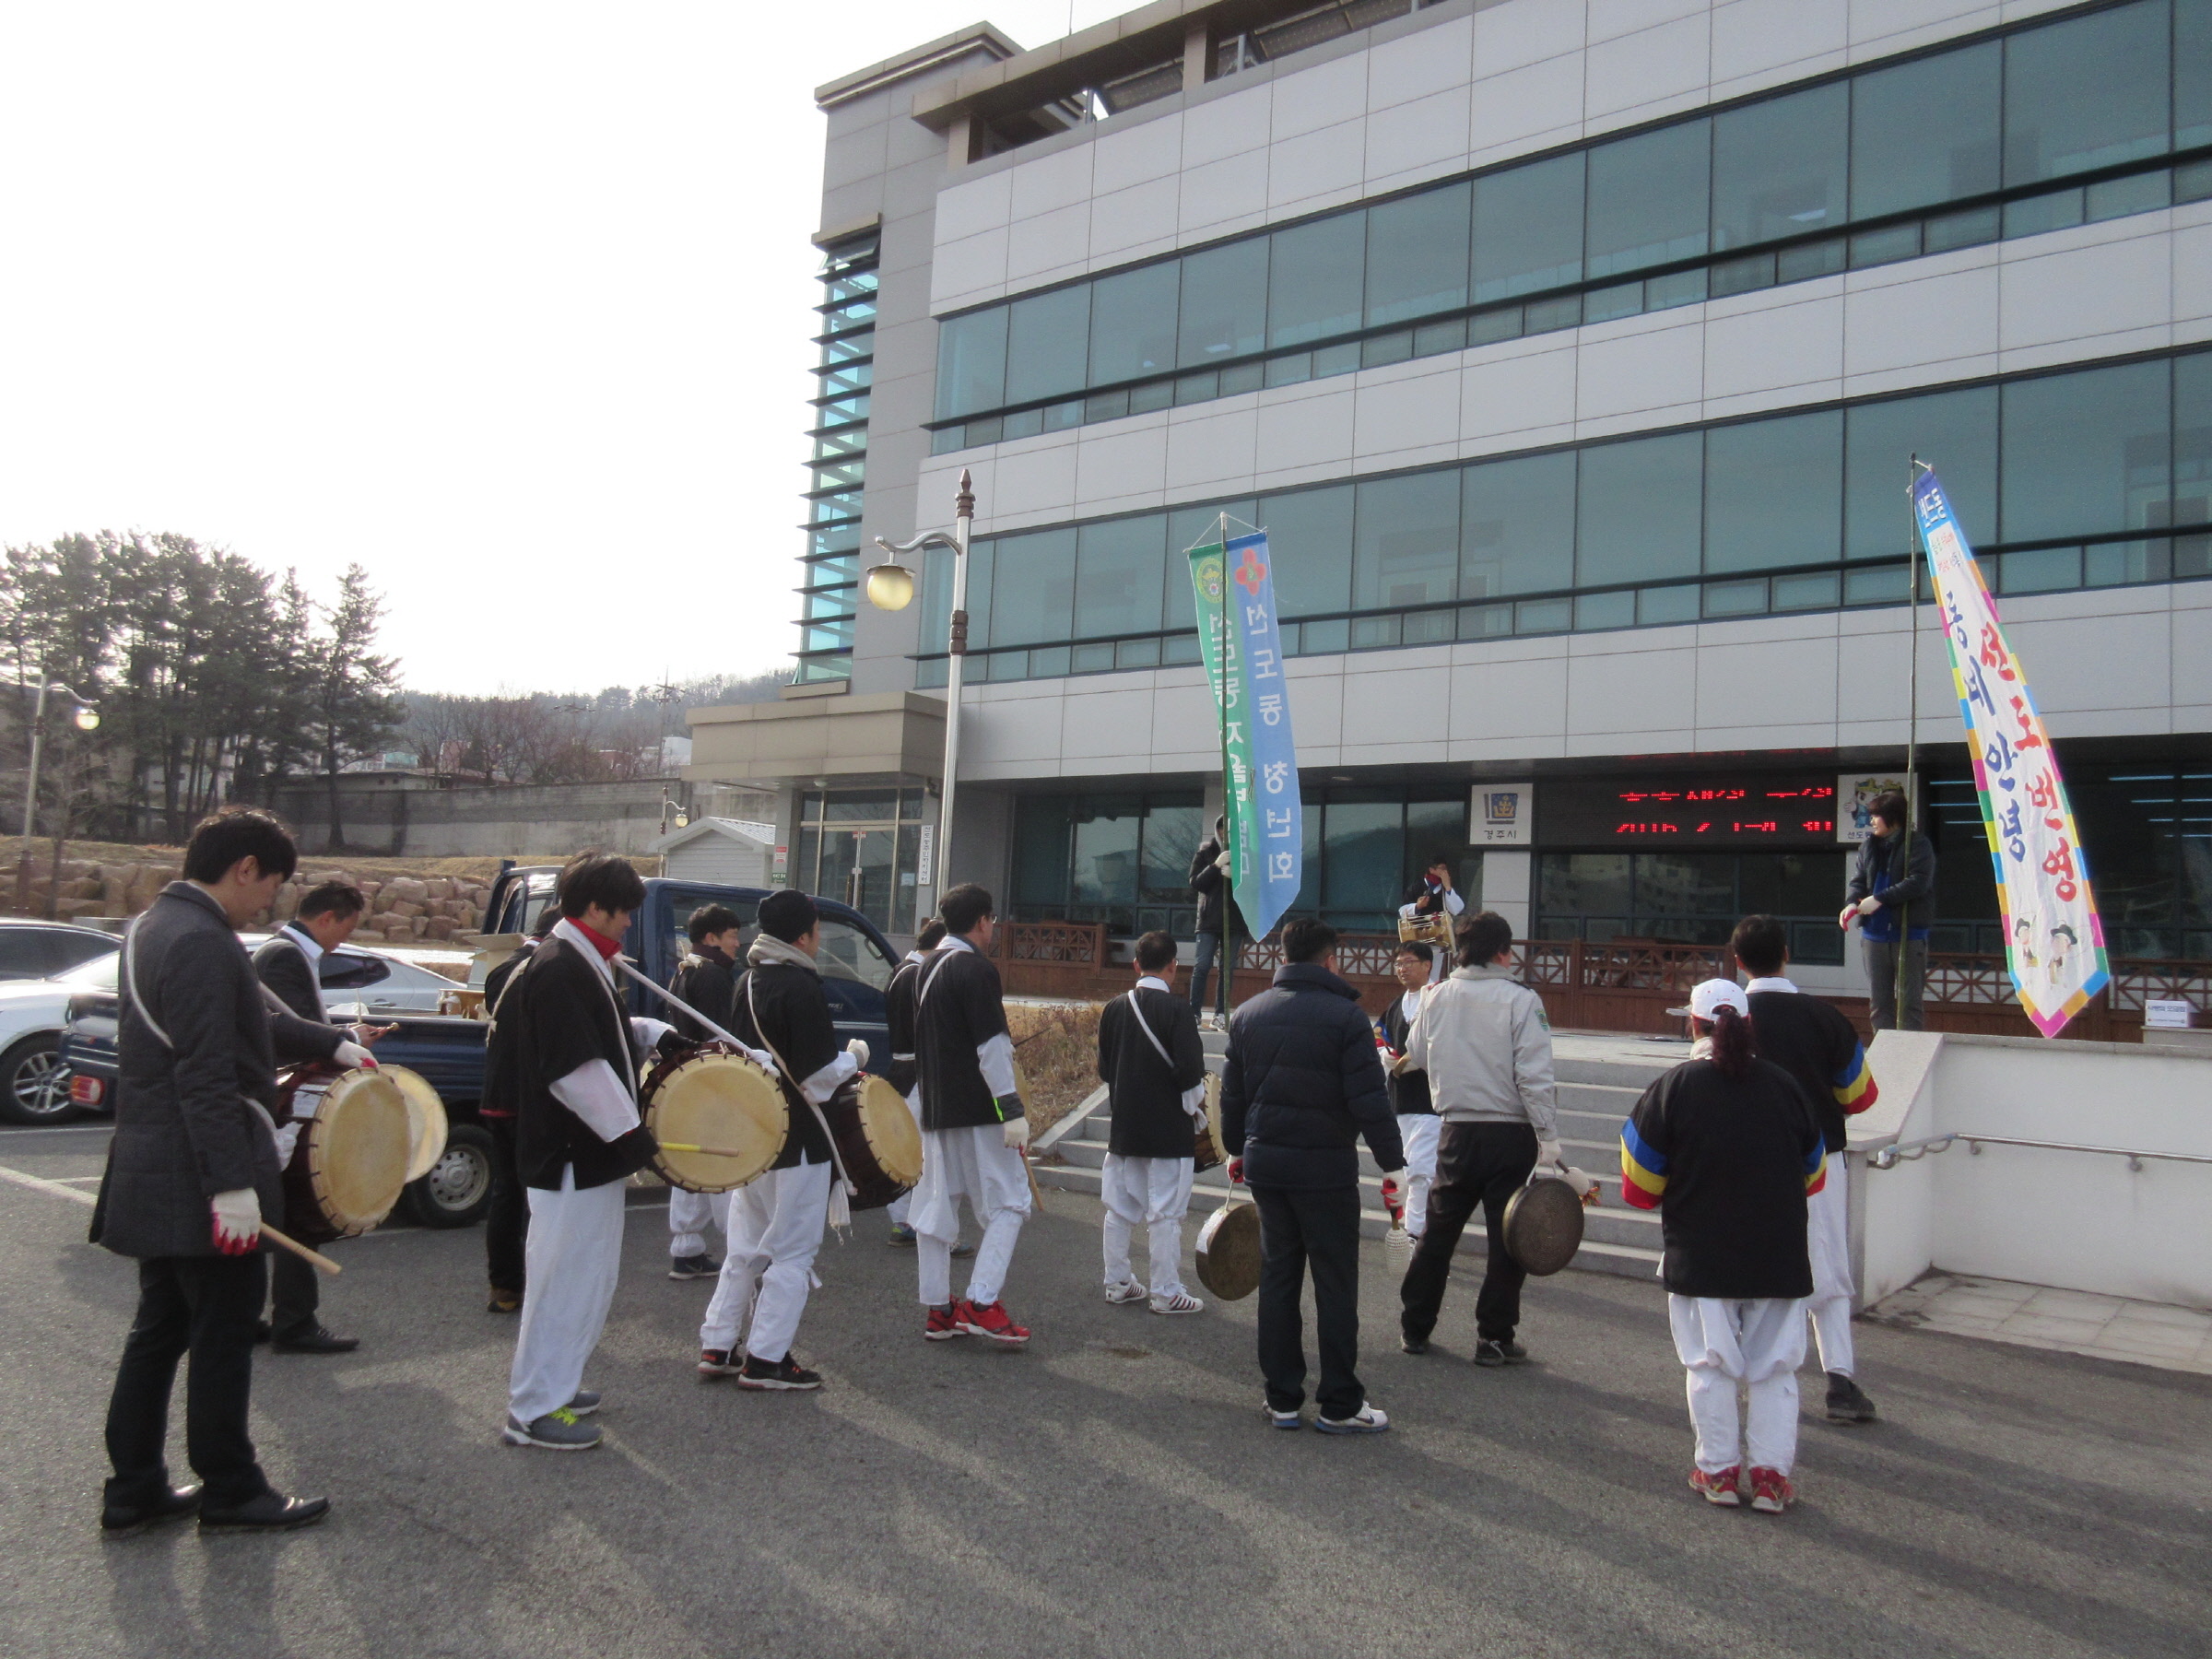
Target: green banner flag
x=1220, y=650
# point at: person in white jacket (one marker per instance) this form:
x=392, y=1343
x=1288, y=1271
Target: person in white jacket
x=1484, y=1041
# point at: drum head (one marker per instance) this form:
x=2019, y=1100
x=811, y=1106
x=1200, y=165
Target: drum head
x=892, y=1134
x=356, y=1150
x=719, y=1101
x=1229, y=1251
x=1544, y=1225
x=426, y=1118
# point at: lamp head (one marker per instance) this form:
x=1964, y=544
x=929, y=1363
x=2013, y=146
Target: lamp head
x=87, y=719
x=890, y=586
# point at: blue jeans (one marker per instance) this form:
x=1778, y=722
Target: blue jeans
x=1202, y=968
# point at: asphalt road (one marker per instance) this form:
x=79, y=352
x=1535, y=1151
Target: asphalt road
x=1113, y=1491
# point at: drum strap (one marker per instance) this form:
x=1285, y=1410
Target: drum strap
x=128, y=981
x=1151, y=1036
x=841, y=1209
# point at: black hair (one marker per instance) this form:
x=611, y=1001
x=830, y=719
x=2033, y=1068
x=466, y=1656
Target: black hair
x=789, y=915
x=333, y=898
x=1414, y=948
x=1761, y=944
x=224, y=837
x=1484, y=937
x=548, y=920
x=962, y=908
x=1308, y=939
x=1730, y=1041
x=930, y=935
x=600, y=878
x=710, y=919
x=1156, y=950
x=1889, y=807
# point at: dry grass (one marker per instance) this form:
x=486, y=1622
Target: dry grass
x=359, y=864
x=1056, y=1057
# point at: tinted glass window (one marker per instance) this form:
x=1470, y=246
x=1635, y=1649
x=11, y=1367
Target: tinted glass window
x=1528, y=229
x=1640, y=510
x=1041, y=846
x=1314, y=279
x=1774, y=493
x=1118, y=570
x=1407, y=546
x=1133, y=324
x=1925, y=132
x=1171, y=837
x=22, y=953
x=1047, y=340
x=1517, y=526
x=1649, y=199
x=1032, y=588
x=1224, y=304
x=2084, y=453
x=1106, y=833
x=2193, y=451
x=2086, y=93
x=2191, y=74
x=1417, y=255
x=1187, y=528
x=1955, y=433
x=1363, y=844
x=346, y=972
x=971, y=362
x=67, y=949
x=849, y=954
x=1309, y=534
x=1779, y=167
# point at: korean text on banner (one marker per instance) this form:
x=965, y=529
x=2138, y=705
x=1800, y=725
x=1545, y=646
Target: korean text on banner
x=1243, y=649
x=2053, y=938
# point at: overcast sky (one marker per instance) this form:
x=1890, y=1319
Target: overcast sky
x=508, y=302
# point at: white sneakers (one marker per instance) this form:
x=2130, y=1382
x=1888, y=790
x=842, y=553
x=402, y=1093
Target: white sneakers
x=1182, y=1301
x=1128, y=1291
x=1368, y=1419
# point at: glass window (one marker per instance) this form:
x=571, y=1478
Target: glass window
x=1106, y=833
x=1224, y=304
x=971, y=362
x=1047, y=337
x=1640, y=510
x=1517, y=526
x=1528, y=229
x=2085, y=453
x=2191, y=74
x=1187, y=528
x=1649, y=199
x=1041, y=851
x=982, y=558
x=1309, y=535
x=1779, y=167
x=1133, y=324
x=1363, y=852
x=1173, y=828
x=1032, y=588
x=849, y=954
x=1774, y=493
x=1925, y=132
x=1119, y=566
x=2088, y=92
x=2193, y=443
x=1437, y=831
x=1955, y=433
x=1314, y=279
x=1417, y=255
x=1406, y=550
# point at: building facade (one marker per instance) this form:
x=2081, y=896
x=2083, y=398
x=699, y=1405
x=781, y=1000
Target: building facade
x=1571, y=353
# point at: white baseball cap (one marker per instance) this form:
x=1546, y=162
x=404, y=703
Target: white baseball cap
x=1711, y=996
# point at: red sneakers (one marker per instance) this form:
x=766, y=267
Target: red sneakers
x=1718, y=1486
x=990, y=1322
x=943, y=1324
x=1771, y=1491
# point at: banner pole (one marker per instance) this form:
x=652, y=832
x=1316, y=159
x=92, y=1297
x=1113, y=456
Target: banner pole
x=1913, y=550
x=1229, y=894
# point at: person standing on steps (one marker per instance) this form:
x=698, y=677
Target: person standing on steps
x=1217, y=916
x=1891, y=895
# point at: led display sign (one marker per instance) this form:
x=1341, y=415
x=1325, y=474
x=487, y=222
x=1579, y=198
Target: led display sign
x=1696, y=809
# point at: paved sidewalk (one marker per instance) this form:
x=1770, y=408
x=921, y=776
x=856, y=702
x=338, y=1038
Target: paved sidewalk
x=2072, y=1322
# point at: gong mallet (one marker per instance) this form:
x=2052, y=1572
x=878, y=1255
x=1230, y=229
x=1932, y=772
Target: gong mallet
x=321, y=1263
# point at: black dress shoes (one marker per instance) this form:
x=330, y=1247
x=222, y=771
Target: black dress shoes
x=272, y=1511
x=313, y=1340
x=128, y=1520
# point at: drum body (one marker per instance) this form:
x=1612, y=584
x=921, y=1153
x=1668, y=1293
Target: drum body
x=877, y=1140
x=1432, y=930
x=1205, y=1148
x=1544, y=1225
x=1229, y=1251
x=350, y=1160
x=713, y=1096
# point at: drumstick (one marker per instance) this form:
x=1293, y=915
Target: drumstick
x=321, y=1263
x=703, y=1151
x=1036, y=1191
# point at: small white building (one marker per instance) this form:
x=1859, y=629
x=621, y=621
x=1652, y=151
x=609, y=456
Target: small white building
x=727, y=851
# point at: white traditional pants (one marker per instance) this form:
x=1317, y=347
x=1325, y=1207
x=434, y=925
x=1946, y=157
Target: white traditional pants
x=1154, y=1193
x=775, y=1229
x=978, y=1164
x=688, y=1217
x=572, y=1262
x=1757, y=1346
x=1828, y=1230
x=899, y=1206
x=1420, y=1131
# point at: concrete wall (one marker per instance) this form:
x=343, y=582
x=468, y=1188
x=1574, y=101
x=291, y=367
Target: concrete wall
x=2079, y=1220
x=497, y=821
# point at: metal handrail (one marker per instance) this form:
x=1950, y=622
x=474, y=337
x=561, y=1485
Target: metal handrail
x=1888, y=1157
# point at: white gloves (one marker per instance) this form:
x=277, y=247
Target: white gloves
x=1868, y=905
x=1394, y=1179
x=1582, y=1184
x=761, y=1058
x=1221, y=863
x=1550, y=1152
x=354, y=1057
x=237, y=1221
x=858, y=1048
x=1016, y=1130
x=1849, y=914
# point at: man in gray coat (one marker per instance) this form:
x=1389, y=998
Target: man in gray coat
x=192, y=1169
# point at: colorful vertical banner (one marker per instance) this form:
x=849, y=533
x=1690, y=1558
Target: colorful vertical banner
x=1242, y=650
x=2053, y=936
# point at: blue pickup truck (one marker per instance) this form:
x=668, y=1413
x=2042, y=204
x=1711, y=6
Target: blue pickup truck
x=856, y=964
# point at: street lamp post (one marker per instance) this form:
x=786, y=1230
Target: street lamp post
x=87, y=719
x=891, y=587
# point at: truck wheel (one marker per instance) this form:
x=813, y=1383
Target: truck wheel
x=34, y=1084
x=457, y=1191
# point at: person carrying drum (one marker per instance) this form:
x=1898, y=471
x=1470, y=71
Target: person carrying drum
x=192, y=1169
x=899, y=1014
x=568, y=1055
x=1727, y=1149
x=776, y=1221
x=1409, y=1096
x=974, y=1127
x=707, y=979
x=288, y=964
x=1154, y=1069
x=1484, y=1041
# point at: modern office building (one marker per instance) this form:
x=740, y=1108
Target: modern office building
x=1571, y=353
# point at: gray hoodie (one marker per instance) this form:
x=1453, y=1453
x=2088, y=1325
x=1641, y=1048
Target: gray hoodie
x=1482, y=1037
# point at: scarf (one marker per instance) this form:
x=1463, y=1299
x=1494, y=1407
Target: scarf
x=767, y=950
x=606, y=948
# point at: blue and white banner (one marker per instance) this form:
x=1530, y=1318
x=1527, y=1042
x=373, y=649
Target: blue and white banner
x=1243, y=648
